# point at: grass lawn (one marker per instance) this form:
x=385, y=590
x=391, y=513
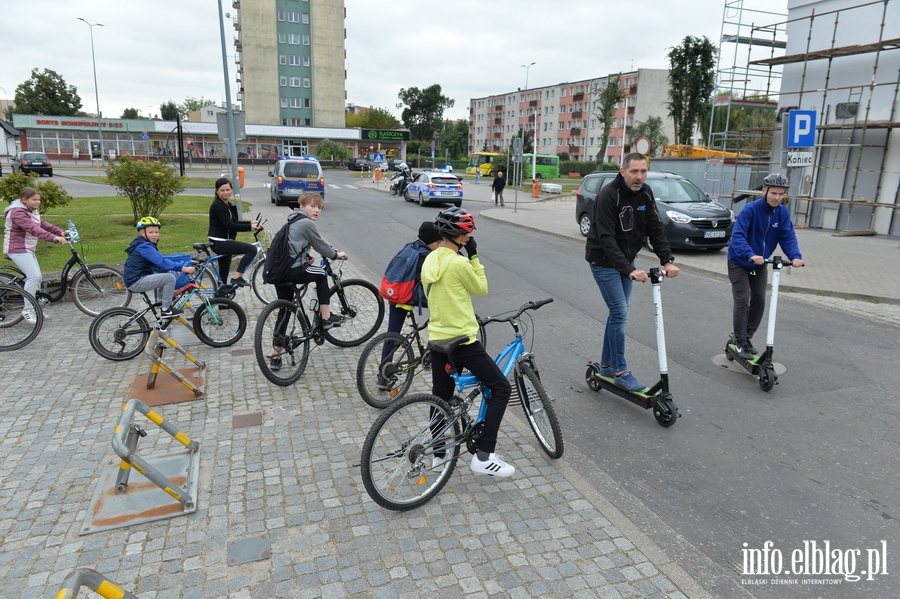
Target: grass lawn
x=106, y=227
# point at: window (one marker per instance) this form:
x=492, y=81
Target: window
x=293, y=16
x=306, y=61
x=306, y=82
x=305, y=40
x=612, y=142
x=306, y=103
x=295, y=60
x=305, y=18
x=282, y=38
x=307, y=122
x=282, y=59
x=295, y=102
x=209, y=113
x=295, y=81
x=281, y=15
x=294, y=38
x=284, y=102
x=283, y=81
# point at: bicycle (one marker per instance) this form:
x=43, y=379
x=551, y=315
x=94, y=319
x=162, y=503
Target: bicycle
x=284, y=324
x=95, y=287
x=412, y=448
x=208, y=276
x=120, y=334
x=383, y=380
x=15, y=330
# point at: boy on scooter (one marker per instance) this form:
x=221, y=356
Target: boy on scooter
x=760, y=226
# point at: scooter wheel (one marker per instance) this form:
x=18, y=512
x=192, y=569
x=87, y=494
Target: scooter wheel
x=665, y=414
x=767, y=378
x=728, y=353
x=590, y=377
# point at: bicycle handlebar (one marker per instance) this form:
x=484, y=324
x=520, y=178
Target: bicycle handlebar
x=509, y=316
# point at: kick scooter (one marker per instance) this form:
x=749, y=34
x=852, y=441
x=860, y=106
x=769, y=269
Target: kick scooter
x=658, y=396
x=761, y=365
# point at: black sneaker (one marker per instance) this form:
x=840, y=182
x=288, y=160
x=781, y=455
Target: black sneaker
x=172, y=312
x=383, y=383
x=275, y=363
x=332, y=321
x=752, y=349
x=744, y=352
x=239, y=282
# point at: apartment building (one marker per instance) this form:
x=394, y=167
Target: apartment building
x=564, y=118
x=290, y=61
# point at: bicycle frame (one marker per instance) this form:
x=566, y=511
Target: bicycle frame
x=506, y=360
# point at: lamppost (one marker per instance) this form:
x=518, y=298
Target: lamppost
x=527, y=68
x=96, y=93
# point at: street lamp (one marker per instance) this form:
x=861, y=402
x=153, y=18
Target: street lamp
x=527, y=68
x=96, y=93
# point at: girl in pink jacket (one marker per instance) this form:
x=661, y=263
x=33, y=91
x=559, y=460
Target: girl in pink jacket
x=24, y=226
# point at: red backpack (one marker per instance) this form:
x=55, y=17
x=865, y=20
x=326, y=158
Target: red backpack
x=400, y=283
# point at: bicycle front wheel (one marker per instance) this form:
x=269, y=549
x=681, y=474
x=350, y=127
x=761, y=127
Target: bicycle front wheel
x=539, y=410
x=99, y=288
x=16, y=331
x=359, y=303
x=119, y=334
x=381, y=381
x=263, y=291
x=220, y=322
x=281, y=342
x=405, y=459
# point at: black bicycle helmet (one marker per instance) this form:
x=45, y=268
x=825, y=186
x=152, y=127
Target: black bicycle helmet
x=451, y=222
x=776, y=180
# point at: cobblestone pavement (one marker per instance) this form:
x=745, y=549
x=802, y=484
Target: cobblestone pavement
x=292, y=480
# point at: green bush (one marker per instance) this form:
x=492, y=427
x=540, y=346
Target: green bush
x=52, y=195
x=150, y=186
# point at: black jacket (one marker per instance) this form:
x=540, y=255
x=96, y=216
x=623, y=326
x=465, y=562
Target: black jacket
x=622, y=220
x=223, y=221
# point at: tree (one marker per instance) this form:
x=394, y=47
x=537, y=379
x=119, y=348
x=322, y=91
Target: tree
x=692, y=79
x=376, y=118
x=52, y=195
x=748, y=121
x=608, y=98
x=652, y=129
x=151, y=186
x=424, y=110
x=47, y=93
x=168, y=111
x=129, y=113
x=454, y=138
x=191, y=104
x=329, y=150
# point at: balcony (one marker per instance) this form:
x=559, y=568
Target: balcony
x=633, y=89
x=578, y=96
x=498, y=121
x=575, y=132
x=498, y=135
x=237, y=43
x=237, y=23
x=236, y=4
x=631, y=110
x=498, y=107
x=577, y=115
x=533, y=103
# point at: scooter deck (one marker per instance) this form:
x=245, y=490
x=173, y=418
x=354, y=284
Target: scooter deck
x=643, y=398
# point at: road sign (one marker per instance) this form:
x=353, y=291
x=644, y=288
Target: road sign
x=642, y=145
x=145, y=136
x=801, y=129
x=799, y=158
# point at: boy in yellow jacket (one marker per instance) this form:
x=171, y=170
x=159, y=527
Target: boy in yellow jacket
x=450, y=280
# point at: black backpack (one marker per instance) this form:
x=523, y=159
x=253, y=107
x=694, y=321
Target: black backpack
x=278, y=257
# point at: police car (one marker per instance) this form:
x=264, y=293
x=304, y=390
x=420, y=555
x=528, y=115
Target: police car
x=434, y=186
x=292, y=177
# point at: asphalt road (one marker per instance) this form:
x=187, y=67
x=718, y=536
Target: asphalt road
x=815, y=459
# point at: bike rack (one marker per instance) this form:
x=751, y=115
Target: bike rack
x=159, y=340
x=116, y=503
x=94, y=581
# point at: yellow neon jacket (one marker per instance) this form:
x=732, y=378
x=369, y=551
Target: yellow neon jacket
x=450, y=281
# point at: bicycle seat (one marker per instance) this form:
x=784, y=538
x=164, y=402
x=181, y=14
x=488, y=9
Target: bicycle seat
x=448, y=346
x=203, y=247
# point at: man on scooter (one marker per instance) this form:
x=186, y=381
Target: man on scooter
x=624, y=215
x=760, y=226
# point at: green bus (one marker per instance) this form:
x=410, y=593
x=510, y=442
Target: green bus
x=547, y=167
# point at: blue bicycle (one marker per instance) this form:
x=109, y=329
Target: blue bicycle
x=411, y=450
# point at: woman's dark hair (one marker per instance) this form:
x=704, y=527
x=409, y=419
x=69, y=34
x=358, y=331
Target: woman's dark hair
x=222, y=181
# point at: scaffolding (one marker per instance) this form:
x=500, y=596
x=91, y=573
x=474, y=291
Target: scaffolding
x=842, y=66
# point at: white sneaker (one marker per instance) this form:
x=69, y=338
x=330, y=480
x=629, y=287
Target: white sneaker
x=29, y=316
x=495, y=466
x=437, y=462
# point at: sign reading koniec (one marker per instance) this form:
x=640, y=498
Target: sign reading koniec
x=799, y=158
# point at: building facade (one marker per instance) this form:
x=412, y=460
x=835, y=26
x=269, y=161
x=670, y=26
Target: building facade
x=562, y=116
x=290, y=61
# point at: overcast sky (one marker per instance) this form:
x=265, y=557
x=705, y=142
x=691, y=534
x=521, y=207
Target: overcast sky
x=149, y=52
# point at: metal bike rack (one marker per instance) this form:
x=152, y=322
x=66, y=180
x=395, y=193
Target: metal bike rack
x=159, y=340
x=94, y=581
x=175, y=475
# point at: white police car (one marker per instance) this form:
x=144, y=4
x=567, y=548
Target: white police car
x=434, y=186
x=292, y=177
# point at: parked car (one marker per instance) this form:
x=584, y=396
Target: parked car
x=32, y=162
x=360, y=164
x=691, y=219
x=434, y=186
x=292, y=178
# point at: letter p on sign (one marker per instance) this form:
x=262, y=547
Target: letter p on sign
x=801, y=128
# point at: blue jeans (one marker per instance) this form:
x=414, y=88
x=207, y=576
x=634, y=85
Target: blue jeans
x=616, y=291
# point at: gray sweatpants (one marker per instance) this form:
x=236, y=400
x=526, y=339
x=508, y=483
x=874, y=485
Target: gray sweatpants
x=163, y=281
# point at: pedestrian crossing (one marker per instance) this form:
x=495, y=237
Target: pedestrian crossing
x=331, y=185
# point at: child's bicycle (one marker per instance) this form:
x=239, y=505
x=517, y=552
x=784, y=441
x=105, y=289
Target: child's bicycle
x=16, y=331
x=120, y=334
x=95, y=287
x=411, y=450
x=391, y=361
x=284, y=329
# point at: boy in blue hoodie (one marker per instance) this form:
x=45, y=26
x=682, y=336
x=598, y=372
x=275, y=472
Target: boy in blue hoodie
x=761, y=225
x=146, y=269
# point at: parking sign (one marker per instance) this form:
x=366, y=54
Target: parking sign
x=801, y=129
